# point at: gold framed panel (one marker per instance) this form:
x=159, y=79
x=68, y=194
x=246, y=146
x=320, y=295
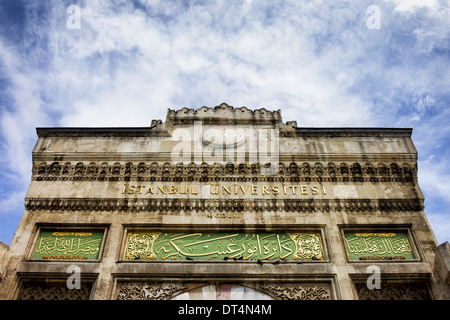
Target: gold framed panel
x=379, y=243
x=68, y=242
x=308, y=239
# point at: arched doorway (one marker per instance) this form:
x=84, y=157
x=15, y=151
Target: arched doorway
x=223, y=292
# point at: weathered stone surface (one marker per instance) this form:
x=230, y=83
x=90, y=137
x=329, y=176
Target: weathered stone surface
x=326, y=180
x=4, y=260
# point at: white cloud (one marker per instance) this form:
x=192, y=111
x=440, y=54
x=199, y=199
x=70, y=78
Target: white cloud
x=435, y=177
x=412, y=5
x=440, y=223
x=17, y=122
x=121, y=60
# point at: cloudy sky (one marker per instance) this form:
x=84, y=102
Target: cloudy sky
x=377, y=63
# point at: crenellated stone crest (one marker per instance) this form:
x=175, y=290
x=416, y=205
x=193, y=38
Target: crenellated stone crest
x=223, y=115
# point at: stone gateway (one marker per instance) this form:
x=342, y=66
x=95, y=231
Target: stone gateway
x=224, y=203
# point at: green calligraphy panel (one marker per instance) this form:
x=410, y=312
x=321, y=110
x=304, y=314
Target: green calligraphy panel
x=163, y=246
x=378, y=246
x=57, y=245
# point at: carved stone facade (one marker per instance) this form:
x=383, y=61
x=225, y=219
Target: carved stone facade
x=215, y=200
x=149, y=292
x=411, y=291
x=298, y=292
x=41, y=290
x=4, y=259
x=169, y=291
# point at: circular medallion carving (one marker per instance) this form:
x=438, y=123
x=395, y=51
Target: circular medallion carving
x=225, y=138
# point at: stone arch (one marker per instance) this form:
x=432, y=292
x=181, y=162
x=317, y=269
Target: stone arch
x=42, y=168
x=66, y=168
x=115, y=170
x=344, y=169
x=281, y=169
x=293, y=169
x=166, y=170
x=356, y=169
x=255, y=169
x=395, y=170
x=331, y=168
x=142, y=168
x=370, y=169
x=230, y=168
x=383, y=170
x=92, y=169
x=79, y=169
x=104, y=169
x=154, y=169
x=318, y=169
x=242, y=169
x=179, y=170
x=306, y=169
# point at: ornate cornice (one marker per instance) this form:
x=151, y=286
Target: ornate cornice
x=223, y=205
x=286, y=171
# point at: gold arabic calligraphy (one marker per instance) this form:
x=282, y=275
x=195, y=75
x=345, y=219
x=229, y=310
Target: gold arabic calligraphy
x=223, y=246
x=378, y=244
x=77, y=245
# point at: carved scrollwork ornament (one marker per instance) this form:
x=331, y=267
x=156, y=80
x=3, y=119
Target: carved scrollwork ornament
x=163, y=291
x=297, y=292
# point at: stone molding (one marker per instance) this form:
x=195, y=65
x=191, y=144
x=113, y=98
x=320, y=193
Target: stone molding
x=223, y=205
x=154, y=171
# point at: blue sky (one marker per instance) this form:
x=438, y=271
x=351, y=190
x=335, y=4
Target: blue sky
x=317, y=61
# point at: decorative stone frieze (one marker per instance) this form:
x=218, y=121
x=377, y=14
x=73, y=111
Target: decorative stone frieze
x=42, y=290
x=166, y=291
x=162, y=291
x=401, y=291
x=219, y=205
x=294, y=172
x=297, y=292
